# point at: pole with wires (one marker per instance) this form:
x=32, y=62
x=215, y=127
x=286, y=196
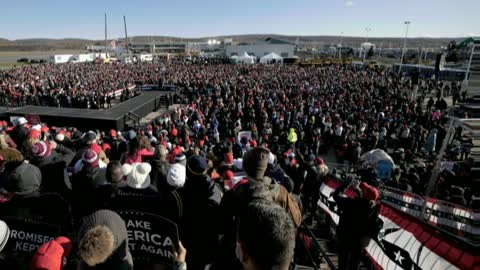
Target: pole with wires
x=407, y=23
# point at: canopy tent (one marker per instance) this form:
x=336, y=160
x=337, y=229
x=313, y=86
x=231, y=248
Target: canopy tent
x=271, y=58
x=245, y=59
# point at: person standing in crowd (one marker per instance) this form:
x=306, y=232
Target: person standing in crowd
x=253, y=186
x=266, y=237
x=52, y=159
x=19, y=133
x=160, y=167
x=103, y=242
x=200, y=197
x=357, y=222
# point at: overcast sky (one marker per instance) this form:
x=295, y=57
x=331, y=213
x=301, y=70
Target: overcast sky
x=200, y=18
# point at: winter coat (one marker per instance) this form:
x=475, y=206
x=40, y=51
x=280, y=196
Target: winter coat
x=355, y=217
x=48, y=208
x=292, y=136
x=53, y=168
x=235, y=201
x=201, y=198
x=19, y=134
x=159, y=172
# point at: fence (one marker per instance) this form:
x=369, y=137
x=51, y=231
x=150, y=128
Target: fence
x=462, y=222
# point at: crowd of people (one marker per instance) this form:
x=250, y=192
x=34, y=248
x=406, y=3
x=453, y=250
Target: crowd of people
x=72, y=85
x=236, y=167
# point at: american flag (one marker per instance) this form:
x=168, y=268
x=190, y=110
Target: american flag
x=405, y=242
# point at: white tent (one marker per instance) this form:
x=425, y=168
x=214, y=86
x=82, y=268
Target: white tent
x=271, y=58
x=245, y=59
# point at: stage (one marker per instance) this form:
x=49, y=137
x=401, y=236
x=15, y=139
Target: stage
x=118, y=117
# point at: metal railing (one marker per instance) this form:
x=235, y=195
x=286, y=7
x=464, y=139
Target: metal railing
x=456, y=220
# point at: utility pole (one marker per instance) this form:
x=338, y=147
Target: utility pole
x=340, y=49
x=407, y=23
x=437, y=167
x=469, y=64
x=126, y=35
x=367, y=29
x=106, y=52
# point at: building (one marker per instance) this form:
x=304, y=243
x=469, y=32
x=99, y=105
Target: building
x=472, y=80
x=263, y=47
x=158, y=48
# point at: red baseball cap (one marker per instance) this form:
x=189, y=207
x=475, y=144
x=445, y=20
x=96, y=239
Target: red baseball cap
x=51, y=255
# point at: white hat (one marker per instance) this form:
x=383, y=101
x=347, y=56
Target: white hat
x=21, y=121
x=238, y=163
x=4, y=234
x=37, y=127
x=271, y=158
x=126, y=169
x=139, y=177
x=60, y=137
x=176, y=175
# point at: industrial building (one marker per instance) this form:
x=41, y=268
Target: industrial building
x=158, y=48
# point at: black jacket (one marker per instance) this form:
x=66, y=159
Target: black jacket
x=201, y=198
x=19, y=134
x=54, y=173
x=159, y=172
x=356, y=216
x=49, y=208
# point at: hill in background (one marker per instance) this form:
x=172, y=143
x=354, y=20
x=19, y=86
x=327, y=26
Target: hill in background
x=317, y=41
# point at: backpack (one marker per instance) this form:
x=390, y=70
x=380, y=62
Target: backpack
x=251, y=190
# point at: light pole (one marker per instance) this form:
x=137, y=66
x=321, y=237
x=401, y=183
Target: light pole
x=367, y=29
x=340, y=49
x=407, y=24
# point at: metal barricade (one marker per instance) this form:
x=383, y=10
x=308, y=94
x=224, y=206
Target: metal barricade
x=406, y=202
x=456, y=219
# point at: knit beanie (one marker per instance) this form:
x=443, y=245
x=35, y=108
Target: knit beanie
x=255, y=162
x=197, y=165
x=228, y=178
x=52, y=255
x=370, y=193
x=271, y=158
x=229, y=158
x=90, y=158
x=90, y=137
x=103, y=241
x=4, y=234
x=60, y=137
x=176, y=175
x=96, y=148
x=25, y=179
x=41, y=149
x=138, y=177
x=34, y=134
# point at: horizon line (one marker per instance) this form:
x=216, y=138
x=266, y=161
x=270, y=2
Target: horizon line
x=240, y=35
